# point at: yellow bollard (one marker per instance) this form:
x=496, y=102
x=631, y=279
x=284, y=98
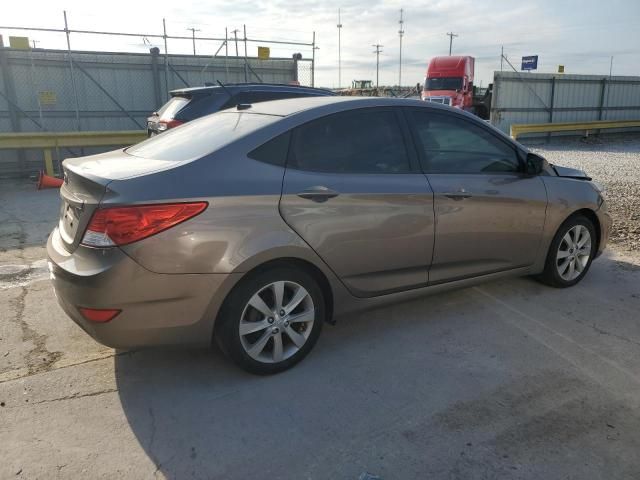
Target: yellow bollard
x=48, y=162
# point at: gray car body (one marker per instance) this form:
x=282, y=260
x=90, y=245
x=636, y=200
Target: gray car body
x=381, y=240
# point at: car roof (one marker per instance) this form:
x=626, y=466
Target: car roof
x=238, y=87
x=290, y=106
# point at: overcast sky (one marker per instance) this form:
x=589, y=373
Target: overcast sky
x=582, y=35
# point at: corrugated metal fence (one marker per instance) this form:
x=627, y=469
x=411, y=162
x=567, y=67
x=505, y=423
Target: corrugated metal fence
x=548, y=98
x=42, y=90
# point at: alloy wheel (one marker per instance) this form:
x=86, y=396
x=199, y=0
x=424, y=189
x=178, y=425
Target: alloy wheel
x=573, y=253
x=276, y=321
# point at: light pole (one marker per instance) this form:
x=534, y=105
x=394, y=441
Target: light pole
x=339, y=46
x=400, y=33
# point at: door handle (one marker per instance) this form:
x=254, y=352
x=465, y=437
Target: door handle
x=318, y=194
x=459, y=195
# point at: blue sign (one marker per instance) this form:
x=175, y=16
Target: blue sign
x=530, y=62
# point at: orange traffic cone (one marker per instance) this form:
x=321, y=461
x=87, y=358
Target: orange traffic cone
x=47, y=181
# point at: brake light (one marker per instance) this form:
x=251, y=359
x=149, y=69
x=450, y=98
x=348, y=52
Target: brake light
x=99, y=315
x=115, y=226
x=167, y=124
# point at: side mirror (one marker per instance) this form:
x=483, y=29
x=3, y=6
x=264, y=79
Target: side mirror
x=534, y=164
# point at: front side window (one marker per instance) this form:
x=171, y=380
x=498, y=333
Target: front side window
x=360, y=141
x=455, y=145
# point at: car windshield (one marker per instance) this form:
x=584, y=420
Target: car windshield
x=200, y=137
x=444, y=83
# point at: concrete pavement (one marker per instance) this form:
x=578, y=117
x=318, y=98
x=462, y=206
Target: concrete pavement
x=510, y=379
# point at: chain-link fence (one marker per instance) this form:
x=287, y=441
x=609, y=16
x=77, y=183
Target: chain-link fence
x=75, y=89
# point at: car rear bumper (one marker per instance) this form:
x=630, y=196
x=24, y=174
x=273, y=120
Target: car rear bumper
x=157, y=309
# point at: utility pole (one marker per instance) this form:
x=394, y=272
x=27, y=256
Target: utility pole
x=451, y=35
x=501, y=57
x=34, y=42
x=377, y=51
x=235, y=33
x=339, y=58
x=400, y=33
x=193, y=37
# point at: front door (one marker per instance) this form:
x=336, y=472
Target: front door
x=489, y=213
x=352, y=193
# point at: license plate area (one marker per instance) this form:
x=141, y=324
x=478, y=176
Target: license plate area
x=69, y=221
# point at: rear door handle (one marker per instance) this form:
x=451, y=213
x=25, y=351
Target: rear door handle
x=318, y=193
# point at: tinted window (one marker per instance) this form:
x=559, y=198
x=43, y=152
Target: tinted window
x=261, y=96
x=173, y=106
x=200, y=137
x=453, y=145
x=274, y=151
x=362, y=141
x=202, y=105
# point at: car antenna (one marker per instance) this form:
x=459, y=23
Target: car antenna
x=226, y=90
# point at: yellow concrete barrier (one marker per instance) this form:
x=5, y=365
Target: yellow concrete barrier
x=48, y=141
x=519, y=129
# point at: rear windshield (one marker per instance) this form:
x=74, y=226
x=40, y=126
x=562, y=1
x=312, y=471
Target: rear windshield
x=173, y=106
x=444, y=83
x=200, y=137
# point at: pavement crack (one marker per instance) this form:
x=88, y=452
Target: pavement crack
x=604, y=332
x=72, y=397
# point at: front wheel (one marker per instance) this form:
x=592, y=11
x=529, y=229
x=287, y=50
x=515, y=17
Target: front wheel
x=570, y=253
x=271, y=320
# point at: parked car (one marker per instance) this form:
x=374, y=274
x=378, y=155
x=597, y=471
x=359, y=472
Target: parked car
x=190, y=103
x=254, y=226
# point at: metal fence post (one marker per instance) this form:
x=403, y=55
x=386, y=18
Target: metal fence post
x=14, y=119
x=73, y=78
x=155, y=75
x=602, y=92
x=313, y=59
x=246, y=67
x=553, y=97
x=166, y=58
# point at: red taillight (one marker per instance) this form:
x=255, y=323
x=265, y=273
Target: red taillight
x=122, y=225
x=170, y=123
x=99, y=315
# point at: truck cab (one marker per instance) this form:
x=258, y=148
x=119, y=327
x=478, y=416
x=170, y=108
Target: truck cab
x=449, y=81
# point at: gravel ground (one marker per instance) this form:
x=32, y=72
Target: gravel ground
x=614, y=162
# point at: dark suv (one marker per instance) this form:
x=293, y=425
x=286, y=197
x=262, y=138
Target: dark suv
x=190, y=103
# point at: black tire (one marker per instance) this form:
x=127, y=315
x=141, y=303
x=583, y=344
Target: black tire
x=227, y=333
x=551, y=276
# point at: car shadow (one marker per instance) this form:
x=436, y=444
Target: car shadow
x=196, y=415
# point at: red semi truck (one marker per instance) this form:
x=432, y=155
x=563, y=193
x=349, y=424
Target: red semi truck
x=449, y=81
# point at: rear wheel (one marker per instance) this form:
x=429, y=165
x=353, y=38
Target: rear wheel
x=271, y=320
x=570, y=253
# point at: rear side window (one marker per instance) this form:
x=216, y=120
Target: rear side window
x=360, y=141
x=274, y=151
x=202, y=105
x=260, y=96
x=201, y=136
x=172, y=107
x=454, y=145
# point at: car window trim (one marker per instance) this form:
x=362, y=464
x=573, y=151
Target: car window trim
x=420, y=148
x=292, y=163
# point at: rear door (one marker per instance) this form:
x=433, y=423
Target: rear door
x=489, y=213
x=353, y=193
